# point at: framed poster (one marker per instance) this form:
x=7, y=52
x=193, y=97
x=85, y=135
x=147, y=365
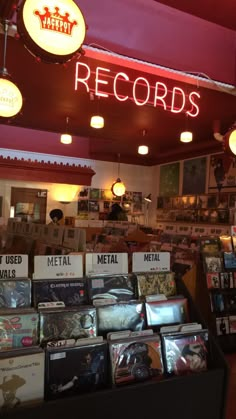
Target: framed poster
x=194, y=176
x=222, y=173
x=169, y=179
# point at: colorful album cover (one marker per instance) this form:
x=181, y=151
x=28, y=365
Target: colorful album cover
x=213, y=280
x=218, y=302
x=120, y=316
x=213, y=263
x=18, y=330
x=170, y=311
x=156, y=283
x=21, y=378
x=72, y=292
x=234, y=243
x=226, y=280
x=232, y=324
x=118, y=287
x=15, y=293
x=229, y=260
x=59, y=324
x=94, y=193
x=136, y=359
x=211, y=246
x=93, y=206
x=74, y=370
x=222, y=326
x=186, y=353
x=226, y=243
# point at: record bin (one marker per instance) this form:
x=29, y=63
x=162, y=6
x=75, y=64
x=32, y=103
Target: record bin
x=202, y=395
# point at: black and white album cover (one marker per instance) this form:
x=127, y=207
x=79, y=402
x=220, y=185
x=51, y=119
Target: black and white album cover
x=72, y=292
x=117, y=287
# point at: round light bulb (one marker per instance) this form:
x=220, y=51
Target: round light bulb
x=143, y=149
x=232, y=141
x=10, y=98
x=186, y=137
x=97, y=122
x=118, y=188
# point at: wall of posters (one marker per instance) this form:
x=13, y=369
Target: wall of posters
x=222, y=173
x=169, y=179
x=194, y=176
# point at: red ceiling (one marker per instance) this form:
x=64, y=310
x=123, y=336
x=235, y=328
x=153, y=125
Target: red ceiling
x=164, y=36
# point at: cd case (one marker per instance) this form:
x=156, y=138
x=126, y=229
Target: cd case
x=19, y=329
x=117, y=287
x=21, y=377
x=15, y=293
x=186, y=352
x=61, y=324
x=156, y=283
x=120, y=316
x=135, y=359
x=74, y=370
x=71, y=292
x=169, y=311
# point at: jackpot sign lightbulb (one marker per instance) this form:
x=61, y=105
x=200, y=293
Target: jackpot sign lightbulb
x=52, y=30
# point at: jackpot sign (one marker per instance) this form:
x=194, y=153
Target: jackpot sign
x=104, y=82
x=52, y=30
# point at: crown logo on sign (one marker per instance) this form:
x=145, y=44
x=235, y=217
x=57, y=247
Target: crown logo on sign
x=54, y=21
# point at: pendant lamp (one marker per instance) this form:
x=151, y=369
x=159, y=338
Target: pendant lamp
x=118, y=188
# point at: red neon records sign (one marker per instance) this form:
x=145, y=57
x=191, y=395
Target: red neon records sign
x=53, y=30
x=105, y=84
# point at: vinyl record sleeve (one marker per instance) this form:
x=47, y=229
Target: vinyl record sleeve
x=118, y=287
x=229, y=260
x=170, y=311
x=185, y=353
x=120, y=316
x=18, y=329
x=156, y=283
x=59, y=324
x=72, y=292
x=213, y=263
x=136, y=359
x=213, y=280
x=15, y=293
x=74, y=370
x=21, y=378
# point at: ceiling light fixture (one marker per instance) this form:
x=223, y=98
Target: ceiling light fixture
x=10, y=96
x=148, y=198
x=143, y=149
x=232, y=141
x=97, y=121
x=186, y=137
x=118, y=188
x=66, y=138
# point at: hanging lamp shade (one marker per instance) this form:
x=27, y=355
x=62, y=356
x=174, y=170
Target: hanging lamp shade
x=66, y=139
x=118, y=188
x=97, y=121
x=143, y=149
x=186, y=137
x=232, y=141
x=10, y=98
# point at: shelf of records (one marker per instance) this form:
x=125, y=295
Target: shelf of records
x=95, y=203
x=219, y=263
x=218, y=208
x=63, y=336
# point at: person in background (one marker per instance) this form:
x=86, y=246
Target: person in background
x=117, y=213
x=56, y=216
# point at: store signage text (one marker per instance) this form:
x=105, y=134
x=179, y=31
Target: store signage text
x=106, y=84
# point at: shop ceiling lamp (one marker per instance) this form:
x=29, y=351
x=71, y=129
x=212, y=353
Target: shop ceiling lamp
x=66, y=138
x=148, y=198
x=10, y=96
x=118, y=188
x=232, y=141
x=228, y=140
x=143, y=149
x=97, y=122
x=186, y=137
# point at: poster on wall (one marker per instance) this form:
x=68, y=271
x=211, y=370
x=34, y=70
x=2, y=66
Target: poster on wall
x=194, y=176
x=169, y=180
x=222, y=173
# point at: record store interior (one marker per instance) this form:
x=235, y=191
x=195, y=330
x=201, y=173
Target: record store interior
x=117, y=209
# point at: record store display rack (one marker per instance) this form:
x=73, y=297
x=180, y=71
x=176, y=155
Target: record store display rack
x=99, y=341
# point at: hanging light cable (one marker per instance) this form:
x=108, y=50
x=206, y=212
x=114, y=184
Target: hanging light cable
x=10, y=96
x=118, y=187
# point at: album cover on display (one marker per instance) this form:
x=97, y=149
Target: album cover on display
x=226, y=243
x=169, y=311
x=117, y=287
x=232, y=324
x=186, y=352
x=19, y=329
x=229, y=260
x=211, y=245
x=15, y=293
x=226, y=280
x=136, y=359
x=213, y=280
x=21, y=377
x=212, y=263
x=230, y=301
x=156, y=283
x=222, y=325
x=218, y=302
x=59, y=324
x=234, y=243
x=120, y=316
x=72, y=292
x=74, y=370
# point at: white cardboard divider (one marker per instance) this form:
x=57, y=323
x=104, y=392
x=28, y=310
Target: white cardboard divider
x=13, y=266
x=151, y=262
x=58, y=267
x=106, y=263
